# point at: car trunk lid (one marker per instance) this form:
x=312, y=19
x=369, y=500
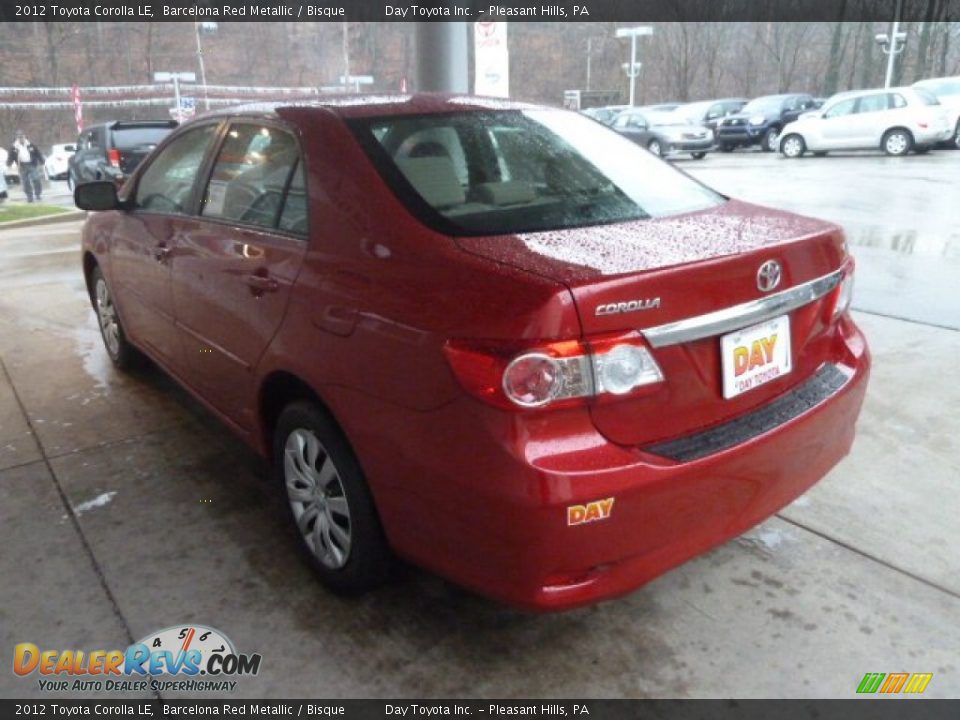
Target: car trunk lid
x=647, y=275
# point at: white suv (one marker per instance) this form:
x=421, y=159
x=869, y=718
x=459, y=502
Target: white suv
x=895, y=120
x=947, y=91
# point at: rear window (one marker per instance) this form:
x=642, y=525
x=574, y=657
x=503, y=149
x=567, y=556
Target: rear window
x=941, y=88
x=926, y=97
x=128, y=138
x=505, y=172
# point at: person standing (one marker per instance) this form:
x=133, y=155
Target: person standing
x=29, y=162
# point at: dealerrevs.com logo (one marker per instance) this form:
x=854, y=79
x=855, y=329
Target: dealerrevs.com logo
x=181, y=658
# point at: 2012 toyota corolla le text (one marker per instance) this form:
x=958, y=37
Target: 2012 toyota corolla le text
x=499, y=341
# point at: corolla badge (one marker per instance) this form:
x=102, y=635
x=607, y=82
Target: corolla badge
x=768, y=276
x=615, y=308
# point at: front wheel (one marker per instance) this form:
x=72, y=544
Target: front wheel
x=770, y=139
x=122, y=354
x=330, y=504
x=897, y=142
x=698, y=155
x=655, y=147
x=724, y=148
x=793, y=146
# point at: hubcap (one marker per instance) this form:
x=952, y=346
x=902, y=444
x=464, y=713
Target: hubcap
x=772, y=140
x=107, y=316
x=655, y=148
x=896, y=144
x=791, y=147
x=317, y=499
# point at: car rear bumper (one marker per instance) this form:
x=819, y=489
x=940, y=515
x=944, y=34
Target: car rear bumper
x=485, y=501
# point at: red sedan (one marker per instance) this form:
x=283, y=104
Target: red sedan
x=497, y=340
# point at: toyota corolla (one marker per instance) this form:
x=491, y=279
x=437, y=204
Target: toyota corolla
x=499, y=341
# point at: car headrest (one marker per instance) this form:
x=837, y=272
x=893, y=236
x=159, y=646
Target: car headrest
x=511, y=192
x=435, y=178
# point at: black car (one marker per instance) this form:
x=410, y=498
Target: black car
x=113, y=150
x=664, y=133
x=761, y=120
x=710, y=112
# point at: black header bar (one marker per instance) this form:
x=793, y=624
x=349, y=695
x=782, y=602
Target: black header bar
x=476, y=10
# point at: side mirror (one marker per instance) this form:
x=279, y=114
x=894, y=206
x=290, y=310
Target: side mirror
x=97, y=196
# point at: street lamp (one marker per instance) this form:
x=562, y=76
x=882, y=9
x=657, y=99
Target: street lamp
x=633, y=67
x=892, y=44
x=206, y=28
x=891, y=49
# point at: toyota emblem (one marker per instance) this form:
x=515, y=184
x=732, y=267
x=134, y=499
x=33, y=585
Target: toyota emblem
x=768, y=276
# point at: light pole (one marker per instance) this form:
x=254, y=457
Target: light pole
x=892, y=44
x=206, y=27
x=633, y=67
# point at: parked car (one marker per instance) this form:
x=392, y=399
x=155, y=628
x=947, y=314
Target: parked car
x=664, y=133
x=947, y=91
x=113, y=150
x=760, y=121
x=57, y=164
x=464, y=333
x=896, y=121
x=710, y=112
x=607, y=114
x=10, y=174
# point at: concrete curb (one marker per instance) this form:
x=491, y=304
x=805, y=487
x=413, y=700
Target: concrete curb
x=70, y=215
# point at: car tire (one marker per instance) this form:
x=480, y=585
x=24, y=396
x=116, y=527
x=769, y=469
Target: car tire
x=769, y=143
x=698, y=155
x=329, y=503
x=820, y=153
x=956, y=136
x=726, y=148
x=71, y=184
x=655, y=147
x=793, y=146
x=922, y=149
x=122, y=354
x=897, y=142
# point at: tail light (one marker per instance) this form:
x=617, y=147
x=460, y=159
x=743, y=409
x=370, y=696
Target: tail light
x=844, y=293
x=551, y=374
x=113, y=155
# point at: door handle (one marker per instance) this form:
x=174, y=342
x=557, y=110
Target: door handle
x=262, y=283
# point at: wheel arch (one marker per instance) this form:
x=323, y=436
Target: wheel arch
x=277, y=390
x=894, y=128
x=90, y=263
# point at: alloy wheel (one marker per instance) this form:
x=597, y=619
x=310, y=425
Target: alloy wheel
x=896, y=143
x=316, y=495
x=792, y=147
x=772, y=137
x=107, y=316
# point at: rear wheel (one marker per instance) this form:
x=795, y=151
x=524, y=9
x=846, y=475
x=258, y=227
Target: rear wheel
x=330, y=505
x=897, y=142
x=770, y=138
x=793, y=146
x=698, y=155
x=726, y=148
x=121, y=352
x=655, y=147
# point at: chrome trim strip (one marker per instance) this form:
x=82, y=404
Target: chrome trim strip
x=739, y=316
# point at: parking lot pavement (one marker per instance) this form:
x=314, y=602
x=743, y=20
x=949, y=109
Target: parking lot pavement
x=899, y=214
x=125, y=508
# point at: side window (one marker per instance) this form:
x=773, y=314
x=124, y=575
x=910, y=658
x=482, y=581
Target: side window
x=715, y=111
x=873, y=103
x=621, y=121
x=792, y=103
x=844, y=107
x=293, y=217
x=166, y=184
x=250, y=174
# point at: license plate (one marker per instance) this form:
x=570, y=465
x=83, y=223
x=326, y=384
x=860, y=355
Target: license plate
x=755, y=355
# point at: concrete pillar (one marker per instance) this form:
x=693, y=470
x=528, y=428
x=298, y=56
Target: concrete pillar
x=442, y=57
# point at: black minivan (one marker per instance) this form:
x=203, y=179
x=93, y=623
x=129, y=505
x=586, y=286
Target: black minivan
x=111, y=151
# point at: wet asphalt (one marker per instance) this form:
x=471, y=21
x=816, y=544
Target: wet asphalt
x=125, y=508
